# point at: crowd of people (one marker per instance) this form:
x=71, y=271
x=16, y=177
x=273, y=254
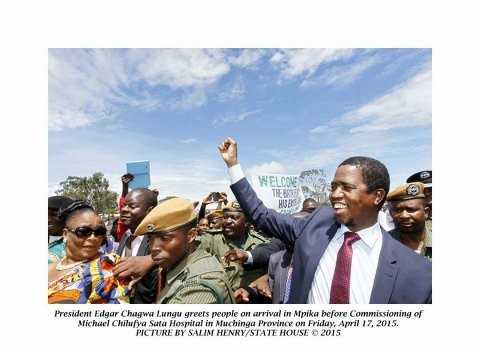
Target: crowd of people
x=369, y=245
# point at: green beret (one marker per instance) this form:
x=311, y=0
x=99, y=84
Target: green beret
x=217, y=213
x=233, y=206
x=167, y=216
x=407, y=191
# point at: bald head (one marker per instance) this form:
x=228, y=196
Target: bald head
x=309, y=205
x=146, y=196
x=138, y=204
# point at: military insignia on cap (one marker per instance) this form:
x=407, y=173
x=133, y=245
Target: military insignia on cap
x=150, y=228
x=412, y=190
x=425, y=174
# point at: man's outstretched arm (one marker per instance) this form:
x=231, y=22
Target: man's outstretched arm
x=278, y=225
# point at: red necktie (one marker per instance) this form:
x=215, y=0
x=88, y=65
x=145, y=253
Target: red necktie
x=340, y=290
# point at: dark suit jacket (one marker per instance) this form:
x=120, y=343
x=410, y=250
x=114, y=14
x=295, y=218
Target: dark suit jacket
x=278, y=266
x=402, y=275
x=146, y=288
x=262, y=253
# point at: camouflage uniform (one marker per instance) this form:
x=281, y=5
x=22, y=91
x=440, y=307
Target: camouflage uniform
x=198, y=279
x=413, y=190
x=428, y=238
x=426, y=245
x=218, y=245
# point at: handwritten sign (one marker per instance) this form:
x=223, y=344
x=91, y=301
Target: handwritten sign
x=279, y=192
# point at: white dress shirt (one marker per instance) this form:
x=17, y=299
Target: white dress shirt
x=135, y=243
x=366, y=253
x=385, y=220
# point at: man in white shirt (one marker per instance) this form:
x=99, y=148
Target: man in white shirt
x=136, y=261
x=341, y=255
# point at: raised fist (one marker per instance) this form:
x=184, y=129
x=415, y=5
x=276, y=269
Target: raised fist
x=228, y=151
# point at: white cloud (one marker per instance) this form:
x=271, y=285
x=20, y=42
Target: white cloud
x=343, y=75
x=248, y=58
x=235, y=91
x=406, y=105
x=317, y=158
x=273, y=167
x=188, y=141
x=82, y=86
x=86, y=86
x=62, y=117
x=320, y=129
x=180, y=67
x=52, y=187
x=191, y=99
x=182, y=173
x=296, y=62
x=234, y=118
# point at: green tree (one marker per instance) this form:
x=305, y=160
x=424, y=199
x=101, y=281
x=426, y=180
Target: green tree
x=94, y=189
x=314, y=185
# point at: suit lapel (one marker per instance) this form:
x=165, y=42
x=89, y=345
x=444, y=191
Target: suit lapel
x=319, y=247
x=387, y=270
x=144, y=248
x=314, y=250
x=122, y=243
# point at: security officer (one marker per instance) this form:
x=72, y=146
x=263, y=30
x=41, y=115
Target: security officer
x=215, y=220
x=236, y=234
x=408, y=208
x=426, y=178
x=189, y=274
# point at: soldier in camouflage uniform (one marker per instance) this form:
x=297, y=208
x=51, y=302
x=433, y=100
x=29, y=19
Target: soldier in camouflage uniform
x=426, y=177
x=215, y=220
x=236, y=234
x=189, y=274
x=407, y=205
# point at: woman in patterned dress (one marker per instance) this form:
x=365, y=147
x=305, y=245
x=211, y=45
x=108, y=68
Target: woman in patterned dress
x=84, y=275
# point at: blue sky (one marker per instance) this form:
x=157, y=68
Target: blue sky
x=289, y=110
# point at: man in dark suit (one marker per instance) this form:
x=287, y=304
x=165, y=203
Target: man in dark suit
x=341, y=254
x=136, y=262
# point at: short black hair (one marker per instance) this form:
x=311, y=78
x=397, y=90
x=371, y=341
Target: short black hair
x=74, y=207
x=58, y=202
x=148, y=195
x=375, y=174
x=309, y=200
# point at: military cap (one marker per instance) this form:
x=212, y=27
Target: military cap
x=407, y=191
x=423, y=177
x=167, y=216
x=233, y=206
x=214, y=214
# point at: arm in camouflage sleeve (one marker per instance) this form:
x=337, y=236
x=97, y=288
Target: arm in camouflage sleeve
x=194, y=295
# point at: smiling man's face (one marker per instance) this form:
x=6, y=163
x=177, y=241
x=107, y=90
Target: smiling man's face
x=134, y=210
x=353, y=204
x=409, y=215
x=234, y=224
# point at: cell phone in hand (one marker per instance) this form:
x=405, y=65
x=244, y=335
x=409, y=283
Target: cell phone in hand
x=215, y=196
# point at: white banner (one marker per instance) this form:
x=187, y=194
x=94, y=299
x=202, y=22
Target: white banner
x=279, y=192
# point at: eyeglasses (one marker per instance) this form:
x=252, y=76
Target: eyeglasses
x=85, y=231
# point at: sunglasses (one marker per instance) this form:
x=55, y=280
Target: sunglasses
x=85, y=231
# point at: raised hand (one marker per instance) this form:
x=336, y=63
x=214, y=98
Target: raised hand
x=228, y=151
x=127, y=178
